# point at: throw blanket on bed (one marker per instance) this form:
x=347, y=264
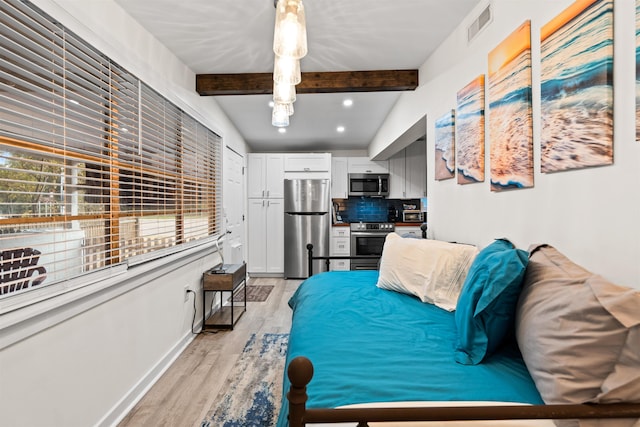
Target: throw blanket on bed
x=373, y=345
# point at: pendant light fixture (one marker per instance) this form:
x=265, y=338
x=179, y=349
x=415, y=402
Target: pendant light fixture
x=282, y=108
x=286, y=69
x=289, y=46
x=290, y=35
x=279, y=118
x=284, y=93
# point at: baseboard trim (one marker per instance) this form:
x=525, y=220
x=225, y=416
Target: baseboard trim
x=277, y=275
x=137, y=392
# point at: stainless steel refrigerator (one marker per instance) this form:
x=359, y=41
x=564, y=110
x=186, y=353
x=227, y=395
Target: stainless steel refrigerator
x=306, y=220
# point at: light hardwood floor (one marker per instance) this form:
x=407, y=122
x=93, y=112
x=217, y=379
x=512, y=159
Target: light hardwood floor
x=187, y=390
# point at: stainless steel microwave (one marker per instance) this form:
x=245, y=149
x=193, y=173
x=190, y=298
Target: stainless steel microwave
x=369, y=184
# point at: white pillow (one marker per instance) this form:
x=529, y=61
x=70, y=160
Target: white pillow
x=432, y=270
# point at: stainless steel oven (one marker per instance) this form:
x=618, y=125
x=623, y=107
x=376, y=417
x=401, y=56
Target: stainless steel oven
x=368, y=239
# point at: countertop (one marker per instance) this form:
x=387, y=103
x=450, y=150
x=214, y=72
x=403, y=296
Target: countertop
x=398, y=224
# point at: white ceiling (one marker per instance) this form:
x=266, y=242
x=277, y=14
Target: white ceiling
x=236, y=36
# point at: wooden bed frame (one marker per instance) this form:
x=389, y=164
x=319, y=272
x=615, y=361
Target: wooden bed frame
x=300, y=372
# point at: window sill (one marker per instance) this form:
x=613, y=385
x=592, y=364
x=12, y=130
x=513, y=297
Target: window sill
x=27, y=314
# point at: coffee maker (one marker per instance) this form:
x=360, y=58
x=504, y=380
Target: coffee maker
x=392, y=214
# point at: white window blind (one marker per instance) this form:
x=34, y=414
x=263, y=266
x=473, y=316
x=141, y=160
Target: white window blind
x=95, y=166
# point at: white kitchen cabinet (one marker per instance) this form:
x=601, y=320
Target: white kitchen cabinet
x=408, y=172
x=265, y=236
x=339, y=178
x=396, y=176
x=416, y=170
x=265, y=175
x=364, y=165
x=340, y=246
x=307, y=162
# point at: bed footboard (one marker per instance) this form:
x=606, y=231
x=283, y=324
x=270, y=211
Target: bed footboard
x=300, y=372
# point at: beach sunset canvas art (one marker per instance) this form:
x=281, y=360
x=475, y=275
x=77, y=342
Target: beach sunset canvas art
x=445, y=146
x=470, y=132
x=510, y=118
x=577, y=87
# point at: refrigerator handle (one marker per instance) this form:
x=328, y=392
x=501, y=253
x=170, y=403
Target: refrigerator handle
x=268, y=203
x=379, y=185
x=267, y=193
x=262, y=193
x=263, y=203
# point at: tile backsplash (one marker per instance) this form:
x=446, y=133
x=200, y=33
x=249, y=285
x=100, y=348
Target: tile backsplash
x=368, y=209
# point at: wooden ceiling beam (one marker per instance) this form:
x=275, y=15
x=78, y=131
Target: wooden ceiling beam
x=313, y=82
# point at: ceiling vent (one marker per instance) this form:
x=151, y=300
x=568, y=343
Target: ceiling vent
x=476, y=26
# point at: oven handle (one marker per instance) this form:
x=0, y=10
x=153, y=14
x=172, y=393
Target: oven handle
x=359, y=234
x=369, y=234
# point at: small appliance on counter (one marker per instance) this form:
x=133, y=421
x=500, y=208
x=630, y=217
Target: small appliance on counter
x=392, y=215
x=413, y=215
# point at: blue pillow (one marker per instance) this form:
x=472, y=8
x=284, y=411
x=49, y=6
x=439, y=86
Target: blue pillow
x=485, y=310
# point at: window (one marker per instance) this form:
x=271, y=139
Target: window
x=96, y=168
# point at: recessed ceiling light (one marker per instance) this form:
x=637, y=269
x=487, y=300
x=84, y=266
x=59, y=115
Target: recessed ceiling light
x=347, y=102
x=340, y=129
x=282, y=130
x=271, y=104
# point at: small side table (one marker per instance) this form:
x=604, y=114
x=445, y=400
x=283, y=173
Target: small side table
x=231, y=279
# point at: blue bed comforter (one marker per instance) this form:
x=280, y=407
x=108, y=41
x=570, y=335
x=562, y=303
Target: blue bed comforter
x=373, y=345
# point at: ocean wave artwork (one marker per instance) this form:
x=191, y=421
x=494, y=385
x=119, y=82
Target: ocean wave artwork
x=510, y=119
x=470, y=132
x=445, y=146
x=577, y=87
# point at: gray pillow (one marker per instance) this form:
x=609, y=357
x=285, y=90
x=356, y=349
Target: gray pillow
x=578, y=333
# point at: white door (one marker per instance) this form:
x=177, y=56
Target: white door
x=233, y=207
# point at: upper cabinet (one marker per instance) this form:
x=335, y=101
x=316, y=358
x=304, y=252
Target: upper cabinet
x=396, y=175
x=408, y=172
x=265, y=175
x=339, y=178
x=307, y=162
x=364, y=165
x=416, y=170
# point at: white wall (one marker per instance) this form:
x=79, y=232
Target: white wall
x=591, y=215
x=90, y=367
x=85, y=362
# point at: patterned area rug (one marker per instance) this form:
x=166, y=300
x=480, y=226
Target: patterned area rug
x=255, y=293
x=251, y=395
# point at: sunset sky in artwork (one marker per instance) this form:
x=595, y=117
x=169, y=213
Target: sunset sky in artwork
x=511, y=47
x=565, y=16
